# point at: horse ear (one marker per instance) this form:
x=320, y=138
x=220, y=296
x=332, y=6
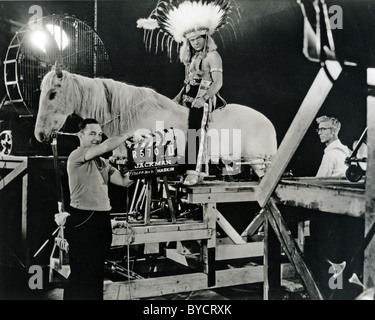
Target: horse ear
x=58, y=70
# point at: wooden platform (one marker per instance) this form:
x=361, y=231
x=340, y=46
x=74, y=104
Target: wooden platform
x=334, y=195
x=338, y=196
x=221, y=192
x=203, y=274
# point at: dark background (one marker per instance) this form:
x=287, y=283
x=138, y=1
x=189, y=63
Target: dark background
x=264, y=68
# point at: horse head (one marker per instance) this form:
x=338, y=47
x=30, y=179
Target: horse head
x=54, y=106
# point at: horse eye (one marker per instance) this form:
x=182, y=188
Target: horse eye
x=52, y=95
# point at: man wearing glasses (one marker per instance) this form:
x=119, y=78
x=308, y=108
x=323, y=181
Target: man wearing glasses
x=335, y=153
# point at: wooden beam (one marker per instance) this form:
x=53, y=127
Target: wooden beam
x=314, y=99
x=239, y=251
x=152, y=287
x=8, y=165
x=24, y=217
x=272, y=263
x=223, y=197
x=208, y=246
x=164, y=236
x=254, y=225
x=291, y=249
x=22, y=166
x=228, y=229
x=219, y=192
x=171, y=204
x=369, y=254
x=223, y=187
x=327, y=199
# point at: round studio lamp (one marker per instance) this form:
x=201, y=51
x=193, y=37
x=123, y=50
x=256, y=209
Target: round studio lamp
x=32, y=52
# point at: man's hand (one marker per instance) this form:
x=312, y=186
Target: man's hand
x=198, y=103
x=138, y=138
x=60, y=218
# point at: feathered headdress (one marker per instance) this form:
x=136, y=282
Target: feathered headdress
x=180, y=20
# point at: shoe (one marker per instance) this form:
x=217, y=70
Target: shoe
x=192, y=178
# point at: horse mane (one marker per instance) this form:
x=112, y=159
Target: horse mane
x=115, y=104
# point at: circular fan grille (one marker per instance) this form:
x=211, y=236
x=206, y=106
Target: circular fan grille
x=30, y=55
x=33, y=50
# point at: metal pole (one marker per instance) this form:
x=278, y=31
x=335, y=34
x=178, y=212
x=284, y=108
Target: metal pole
x=95, y=36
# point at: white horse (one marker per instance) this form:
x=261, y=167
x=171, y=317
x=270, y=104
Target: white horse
x=124, y=108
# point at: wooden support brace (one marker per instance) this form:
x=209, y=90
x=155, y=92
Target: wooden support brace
x=19, y=169
x=314, y=99
x=171, y=205
x=292, y=250
x=369, y=254
x=272, y=262
x=308, y=110
x=254, y=225
x=148, y=201
x=208, y=246
x=229, y=230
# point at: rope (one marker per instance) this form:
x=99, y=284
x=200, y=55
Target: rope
x=60, y=195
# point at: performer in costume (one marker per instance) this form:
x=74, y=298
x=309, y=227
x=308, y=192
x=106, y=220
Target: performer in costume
x=191, y=23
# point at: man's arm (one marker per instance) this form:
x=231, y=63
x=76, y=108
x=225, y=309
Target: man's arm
x=118, y=179
x=216, y=68
x=106, y=146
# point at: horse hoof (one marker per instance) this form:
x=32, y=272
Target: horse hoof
x=192, y=179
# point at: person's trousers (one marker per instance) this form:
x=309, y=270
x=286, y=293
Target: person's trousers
x=194, y=122
x=89, y=235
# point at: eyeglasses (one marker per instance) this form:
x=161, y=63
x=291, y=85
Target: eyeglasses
x=318, y=130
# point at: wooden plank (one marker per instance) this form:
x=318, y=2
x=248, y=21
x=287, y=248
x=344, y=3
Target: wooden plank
x=222, y=197
x=141, y=238
x=238, y=276
x=314, y=99
x=228, y=229
x=9, y=159
x=369, y=254
x=24, y=217
x=332, y=200
x=254, y=225
x=223, y=186
x=13, y=174
x=272, y=263
x=163, y=227
x=8, y=165
x=335, y=183
x=148, y=201
x=152, y=287
x=291, y=249
x=171, y=205
x=208, y=246
x=239, y=251
x=173, y=255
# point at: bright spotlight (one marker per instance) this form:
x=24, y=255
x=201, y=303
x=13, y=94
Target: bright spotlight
x=39, y=39
x=59, y=35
